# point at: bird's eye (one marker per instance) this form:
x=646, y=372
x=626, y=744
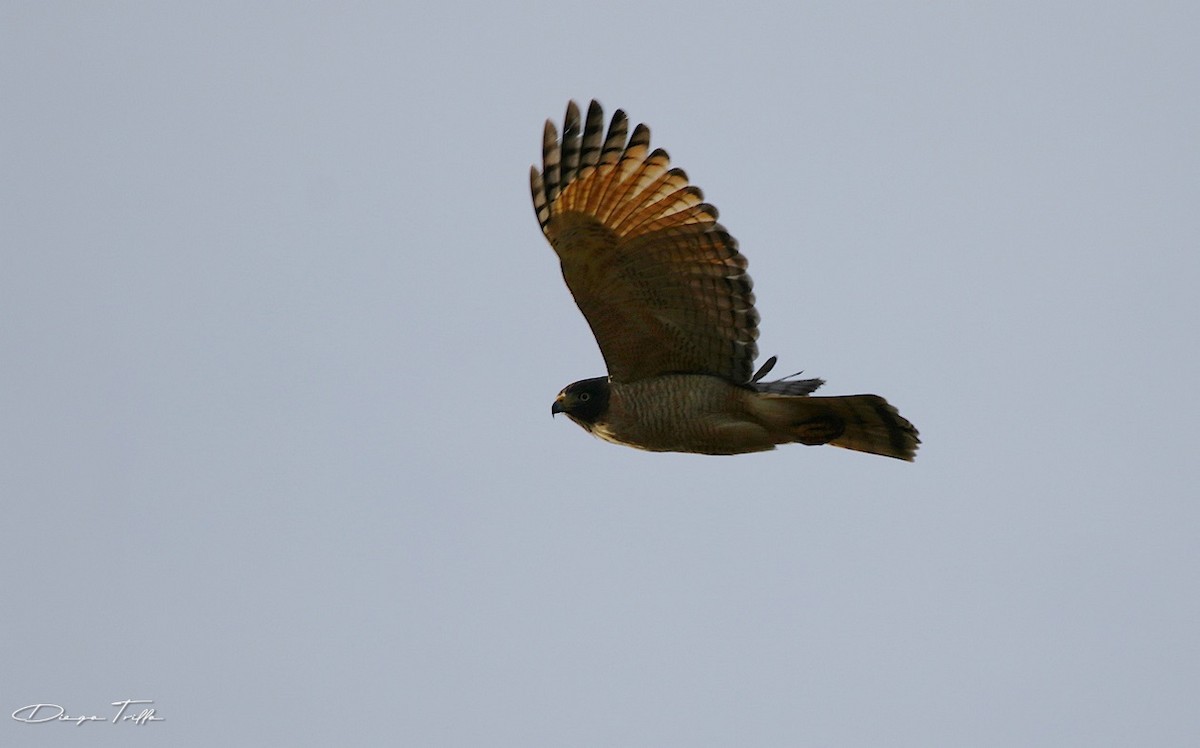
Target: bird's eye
x=585, y=396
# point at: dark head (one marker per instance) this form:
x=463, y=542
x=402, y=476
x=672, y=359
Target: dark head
x=584, y=401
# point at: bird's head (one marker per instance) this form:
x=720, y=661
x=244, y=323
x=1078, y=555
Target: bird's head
x=584, y=401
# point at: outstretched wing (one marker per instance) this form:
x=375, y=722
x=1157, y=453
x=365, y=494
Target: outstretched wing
x=661, y=283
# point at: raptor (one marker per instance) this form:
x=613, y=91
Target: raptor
x=665, y=290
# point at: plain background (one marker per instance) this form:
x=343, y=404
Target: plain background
x=280, y=336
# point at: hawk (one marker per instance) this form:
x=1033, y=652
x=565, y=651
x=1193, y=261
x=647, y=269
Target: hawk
x=667, y=296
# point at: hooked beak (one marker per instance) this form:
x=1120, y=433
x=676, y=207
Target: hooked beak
x=557, y=407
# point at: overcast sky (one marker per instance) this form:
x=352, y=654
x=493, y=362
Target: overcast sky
x=279, y=338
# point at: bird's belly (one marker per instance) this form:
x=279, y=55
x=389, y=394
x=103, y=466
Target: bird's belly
x=682, y=413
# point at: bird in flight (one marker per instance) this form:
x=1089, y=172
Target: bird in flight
x=667, y=296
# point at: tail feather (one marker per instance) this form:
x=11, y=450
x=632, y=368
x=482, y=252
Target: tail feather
x=866, y=423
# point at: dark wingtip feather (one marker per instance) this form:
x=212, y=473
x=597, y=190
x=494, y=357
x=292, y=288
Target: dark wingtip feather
x=640, y=136
x=537, y=188
x=593, y=135
x=551, y=159
x=570, y=144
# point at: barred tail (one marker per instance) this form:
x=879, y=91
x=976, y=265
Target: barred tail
x=866, y=423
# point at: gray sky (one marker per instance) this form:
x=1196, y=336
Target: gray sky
x=280, y=336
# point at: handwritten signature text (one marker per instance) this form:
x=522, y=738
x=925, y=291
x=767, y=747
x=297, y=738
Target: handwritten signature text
x=35, y=714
